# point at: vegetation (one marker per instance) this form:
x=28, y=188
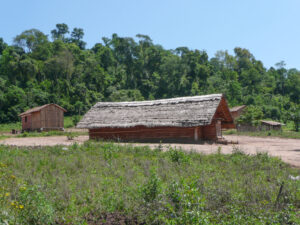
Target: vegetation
x=7, y=127
x=271, y=133
x=104, y=182
x=35, y=71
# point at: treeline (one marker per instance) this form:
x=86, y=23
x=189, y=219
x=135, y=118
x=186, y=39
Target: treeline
x=36, y=70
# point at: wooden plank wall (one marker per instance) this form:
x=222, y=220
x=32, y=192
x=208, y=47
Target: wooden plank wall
x=224, y=114
x=210, y=132
x=26, y=125
x=140, y=133
x=36, y=120
x=52, y=117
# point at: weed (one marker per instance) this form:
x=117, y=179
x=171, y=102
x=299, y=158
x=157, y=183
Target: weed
x=151, y=189
x=178, y=156
x=97, y=180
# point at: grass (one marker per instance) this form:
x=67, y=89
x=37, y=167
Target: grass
x=70, y=121
x=7, y=127
x=272, y=133
x=104, y=183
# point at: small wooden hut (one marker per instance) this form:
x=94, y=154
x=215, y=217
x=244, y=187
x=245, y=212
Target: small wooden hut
x=43, y=118
x=270, y=125
x=186, y=119
x=237, y=111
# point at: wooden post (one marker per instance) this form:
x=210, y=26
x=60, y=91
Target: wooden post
x=219, y=129
x=196, y=133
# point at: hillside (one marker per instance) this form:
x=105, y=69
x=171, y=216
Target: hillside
x=36, y=70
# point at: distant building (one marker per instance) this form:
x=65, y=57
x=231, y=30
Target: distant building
x=263, y=126
x=46, y=117
x=237, y=111
x=186, y=119
x=271, y=125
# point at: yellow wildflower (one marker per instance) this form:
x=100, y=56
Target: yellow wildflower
x=12, y=204
x=21, y=206
x=13, y=176
x=7, y=194
x=22, y=188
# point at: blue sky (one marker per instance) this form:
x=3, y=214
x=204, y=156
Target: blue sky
x=270, y=29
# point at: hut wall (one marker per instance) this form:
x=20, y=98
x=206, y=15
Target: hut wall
x=35, y=121
x=52, y=117
x=210, y=132
x=223, y=113
x=270, y=127
x=141, y=133
x=235, y=115
x=26, y=123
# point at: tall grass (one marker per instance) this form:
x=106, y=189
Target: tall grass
x=106, y=182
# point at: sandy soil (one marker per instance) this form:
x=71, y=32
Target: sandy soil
x=287, y=149
x=43, y=141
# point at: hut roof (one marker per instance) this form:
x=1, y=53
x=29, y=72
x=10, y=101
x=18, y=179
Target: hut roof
x=175, y=112
x=39, y=108
x=272, y=123
x=237, y=108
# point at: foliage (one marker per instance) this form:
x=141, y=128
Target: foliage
x=86, y=183
x=252, y=115
x=76, y=119
x=36, y=70
x=71, y=135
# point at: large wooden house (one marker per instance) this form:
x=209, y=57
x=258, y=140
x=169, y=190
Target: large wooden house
x=43, y=118
x=186, y=119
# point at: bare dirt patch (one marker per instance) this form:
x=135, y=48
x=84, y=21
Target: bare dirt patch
x=286, y=149
x=43, y=141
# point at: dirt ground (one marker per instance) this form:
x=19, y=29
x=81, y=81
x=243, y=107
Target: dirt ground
x=287, y=149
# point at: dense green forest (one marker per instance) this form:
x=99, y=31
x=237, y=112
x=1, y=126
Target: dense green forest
x=36, y=70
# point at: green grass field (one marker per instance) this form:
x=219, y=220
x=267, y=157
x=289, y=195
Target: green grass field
x=104, y=183
x=285, y=133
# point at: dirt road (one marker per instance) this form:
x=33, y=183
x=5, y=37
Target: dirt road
x=287, y=149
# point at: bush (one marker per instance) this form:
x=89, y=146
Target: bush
x=178, y=156
x=151, y=189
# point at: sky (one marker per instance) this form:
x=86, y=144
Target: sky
x=268, y=28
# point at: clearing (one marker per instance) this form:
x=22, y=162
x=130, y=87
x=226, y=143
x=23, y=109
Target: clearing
x=286, y=149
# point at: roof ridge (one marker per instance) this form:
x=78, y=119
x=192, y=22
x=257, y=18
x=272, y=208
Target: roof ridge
x=198, y=98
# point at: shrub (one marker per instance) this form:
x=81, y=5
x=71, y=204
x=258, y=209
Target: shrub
x=177, y=156
x=151, y=189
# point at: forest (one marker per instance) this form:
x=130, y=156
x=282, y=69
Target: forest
x=37, y=69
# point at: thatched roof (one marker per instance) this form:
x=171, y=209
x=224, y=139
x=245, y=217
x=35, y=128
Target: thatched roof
x=39, y=108
x=174, y=112
x=272, y=123
x=237, y=108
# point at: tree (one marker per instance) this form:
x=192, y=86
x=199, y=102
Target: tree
x=3, y=45
x=295, y=116
x=29, y=40
x=59, y=33
x=76, y=37
x=252, y=115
